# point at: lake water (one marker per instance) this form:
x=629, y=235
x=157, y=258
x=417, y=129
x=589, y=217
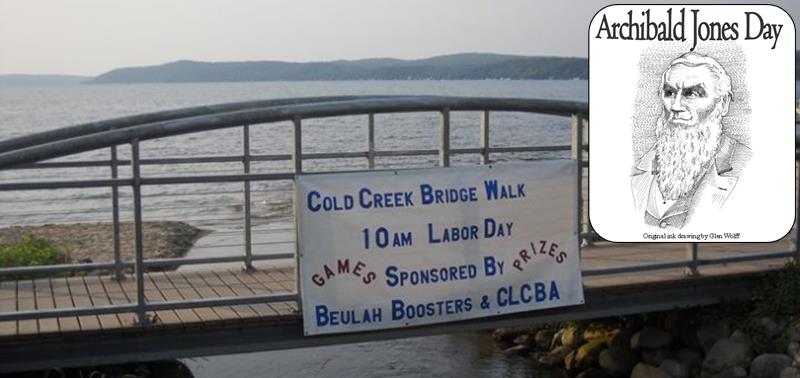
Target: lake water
x=25, y=110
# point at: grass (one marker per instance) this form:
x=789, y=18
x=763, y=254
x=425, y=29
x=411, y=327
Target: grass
x=29, y=251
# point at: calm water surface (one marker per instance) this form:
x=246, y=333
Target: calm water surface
x=25, y=110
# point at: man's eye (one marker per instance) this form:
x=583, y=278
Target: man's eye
x=690, y=94
x=669, y=93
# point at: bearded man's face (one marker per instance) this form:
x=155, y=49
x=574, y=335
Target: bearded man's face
x=689, y=95
x=688, y=132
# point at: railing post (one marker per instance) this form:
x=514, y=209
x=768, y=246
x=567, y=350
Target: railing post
x=297, y=162
x=444, y=135
x=248, y=242
x=485, y=137
x=577, y=155
x=691, y=254
x=141, y=302
x=119, y=274
x=371, y=141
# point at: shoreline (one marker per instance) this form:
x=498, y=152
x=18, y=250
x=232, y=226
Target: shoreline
x=94, y=242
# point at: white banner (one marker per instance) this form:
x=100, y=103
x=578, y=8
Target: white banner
x=392, y=249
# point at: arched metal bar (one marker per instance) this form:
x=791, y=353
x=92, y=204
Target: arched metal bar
x=140, y=119
x=374, y=105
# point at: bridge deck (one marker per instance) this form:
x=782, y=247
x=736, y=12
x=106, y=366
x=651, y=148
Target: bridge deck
x=75, y=292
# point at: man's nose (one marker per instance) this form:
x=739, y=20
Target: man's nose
x=677, y=104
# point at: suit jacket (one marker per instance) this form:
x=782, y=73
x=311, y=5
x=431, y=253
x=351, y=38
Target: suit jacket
x=709, y=195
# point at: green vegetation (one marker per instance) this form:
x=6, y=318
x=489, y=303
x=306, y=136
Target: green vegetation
x=29, y=251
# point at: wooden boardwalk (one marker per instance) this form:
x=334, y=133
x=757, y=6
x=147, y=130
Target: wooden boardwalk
x=76, y=292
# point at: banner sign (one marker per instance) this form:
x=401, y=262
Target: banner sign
x=391, y=249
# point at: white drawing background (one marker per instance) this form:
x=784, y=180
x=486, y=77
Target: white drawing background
x=761, y=205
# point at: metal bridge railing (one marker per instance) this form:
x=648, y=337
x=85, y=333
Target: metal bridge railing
x=34, y=152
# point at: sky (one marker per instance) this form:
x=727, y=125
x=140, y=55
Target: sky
x=90, y=37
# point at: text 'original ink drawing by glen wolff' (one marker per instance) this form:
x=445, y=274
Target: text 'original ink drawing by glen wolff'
x=692, y=117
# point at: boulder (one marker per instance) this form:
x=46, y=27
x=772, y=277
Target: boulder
x=571, y=337
x=523, y=339
x=617, y=361
x=560, y=351
x=503, y=334
x=517, y=350
x=741, y=337
x=674, y=368
x=543, y=338
x=790, y=372
x=793, y=331
x=650, y=338
x=595, y=331
x=769, y=365
x=592, y=373
x=731, y=372
x=550, y=360
x=726, y=354
x=622, y=338
x=709, y=334
x=587, y=353
x=656, y=356
x=691, y=357
x=793, y=349
x=770, y=327
x=643, y=370
x=556, y=339
x=681, y=325
x=569, y=361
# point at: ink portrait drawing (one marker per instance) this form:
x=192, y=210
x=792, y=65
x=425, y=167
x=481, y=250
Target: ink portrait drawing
x=692, y=123
x=694, y=163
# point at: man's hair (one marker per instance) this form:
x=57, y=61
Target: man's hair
x=693, y=59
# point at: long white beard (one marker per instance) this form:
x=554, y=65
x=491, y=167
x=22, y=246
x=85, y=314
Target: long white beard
x=684, y=154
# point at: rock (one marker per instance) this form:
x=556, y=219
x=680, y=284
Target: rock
x=569, y=361
x=793, y=348
x=691, y=357
x=770, y=327
x=507, y=334
x=680, y=324
x=793, y=331
x=517, y=350
x=622, y=338
x=769, y=365
x=543, y=338
x=731, y=372
x=709, y=334
x=643, y=370
x=561, y=351
x=592, y=373
x=570, y=337
x=651, y=338
x=598, y=332
x=790, y=372
x=500, y=334
x=675, y=319
x=556, y=339
x=726, y=354
x=656, y=356
x=741, y=337
x=523, y=339
x=617, y=361
x=674, y=368
x=587, y=353
x=550, y=360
